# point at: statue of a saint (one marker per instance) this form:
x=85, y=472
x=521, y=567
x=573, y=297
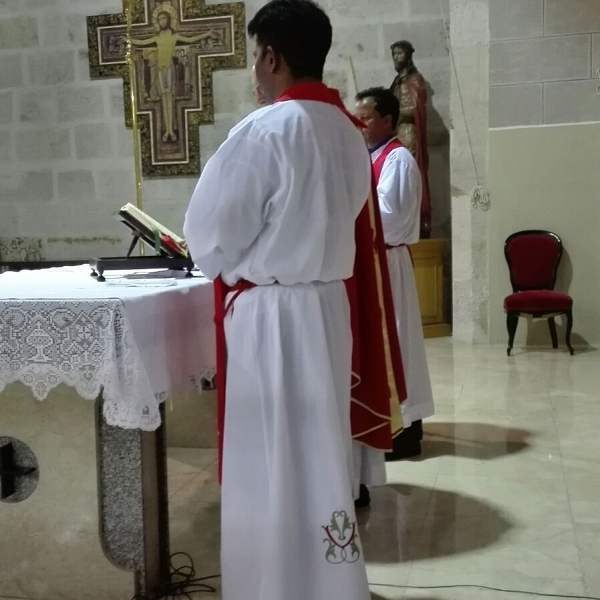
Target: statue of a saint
x=411, y=90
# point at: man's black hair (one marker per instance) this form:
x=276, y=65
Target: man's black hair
x=408, y=48
x=385, y=101
x=299, y=30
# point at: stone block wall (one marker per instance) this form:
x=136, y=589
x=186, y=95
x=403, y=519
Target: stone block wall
x=470, y=39
x=544, y=62
x=66, y=157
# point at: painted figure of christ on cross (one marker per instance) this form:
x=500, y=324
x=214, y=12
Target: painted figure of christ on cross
x=176, y=47
x=166, y=41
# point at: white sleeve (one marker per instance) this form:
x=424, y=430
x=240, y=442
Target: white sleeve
x=399, y=193
x=229, y=206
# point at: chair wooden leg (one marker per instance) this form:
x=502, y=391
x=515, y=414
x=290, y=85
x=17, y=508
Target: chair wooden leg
x=512, y=322
x=569, y=315
x=553, y=334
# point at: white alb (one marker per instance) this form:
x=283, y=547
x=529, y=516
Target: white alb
x=277, y=203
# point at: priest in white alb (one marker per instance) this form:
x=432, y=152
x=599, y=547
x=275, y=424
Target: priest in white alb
x=272, y=220
x=399, y=195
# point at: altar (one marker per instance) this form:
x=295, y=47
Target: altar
x=87, y=373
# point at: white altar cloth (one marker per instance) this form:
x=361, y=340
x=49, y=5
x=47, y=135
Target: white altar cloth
x=138, y=337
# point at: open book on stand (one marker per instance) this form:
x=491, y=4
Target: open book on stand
x=169, y=250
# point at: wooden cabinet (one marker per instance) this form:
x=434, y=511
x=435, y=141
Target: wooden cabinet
x=428, y=260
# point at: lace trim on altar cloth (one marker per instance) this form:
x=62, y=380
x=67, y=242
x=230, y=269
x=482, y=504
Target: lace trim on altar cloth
x=88, y=346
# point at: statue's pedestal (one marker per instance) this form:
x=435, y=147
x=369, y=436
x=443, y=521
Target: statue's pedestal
x=428, y=260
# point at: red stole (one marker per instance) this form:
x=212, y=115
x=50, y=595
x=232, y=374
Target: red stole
x=376, y=356
x=220, y=290
x=377, y=372
x=388, y=149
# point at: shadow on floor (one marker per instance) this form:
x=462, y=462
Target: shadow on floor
x=194, y=518
x=408, y=523
x=480, y=441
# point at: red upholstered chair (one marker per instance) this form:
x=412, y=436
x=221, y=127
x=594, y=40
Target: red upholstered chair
x=533, y=258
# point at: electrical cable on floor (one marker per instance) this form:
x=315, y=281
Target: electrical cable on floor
x=182, y=582
x=482, y=587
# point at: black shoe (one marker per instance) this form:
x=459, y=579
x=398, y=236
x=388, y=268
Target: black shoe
x=407, y=444
x=418, y=425
x=364, y=498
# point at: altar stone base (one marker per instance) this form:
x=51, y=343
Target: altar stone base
x=96, y=526
x=51, y=548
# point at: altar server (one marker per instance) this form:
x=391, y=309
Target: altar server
x=399, y=193
x=273, y=217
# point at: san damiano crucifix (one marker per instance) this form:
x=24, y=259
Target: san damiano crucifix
x=176, y=46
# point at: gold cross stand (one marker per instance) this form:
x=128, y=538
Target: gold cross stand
x=137, y=154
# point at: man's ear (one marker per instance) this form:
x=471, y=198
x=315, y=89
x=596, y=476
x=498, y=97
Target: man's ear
x=388, y=121
x=272, y=59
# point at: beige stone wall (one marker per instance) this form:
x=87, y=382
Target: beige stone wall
x=516, y=63
x=469, y=31
x=553, y=184
x=544, y=59
x=66, y=156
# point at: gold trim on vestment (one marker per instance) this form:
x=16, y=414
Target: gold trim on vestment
x=396, y=416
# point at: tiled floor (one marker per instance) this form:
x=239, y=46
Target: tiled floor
x=506, y=494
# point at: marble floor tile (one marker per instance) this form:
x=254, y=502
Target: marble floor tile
x=582, y=451
x=194, y=522
x=526, y=411
x=190, y=460
x=522, y=498
x=498, y=576
x=392, y=527
x=588, y=543
x=177, y=481
x=184, y=464
x=505, y=494
x=584, y=497
x=487, y=461
x=589, y=467
x=501, y=579
x=387, y=593
x=566, y=408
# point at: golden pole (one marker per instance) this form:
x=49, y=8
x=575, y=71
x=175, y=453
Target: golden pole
x=134, y=110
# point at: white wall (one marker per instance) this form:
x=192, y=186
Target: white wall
x=548, y=178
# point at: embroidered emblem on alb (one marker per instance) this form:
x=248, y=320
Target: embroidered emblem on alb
x=342, y=539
